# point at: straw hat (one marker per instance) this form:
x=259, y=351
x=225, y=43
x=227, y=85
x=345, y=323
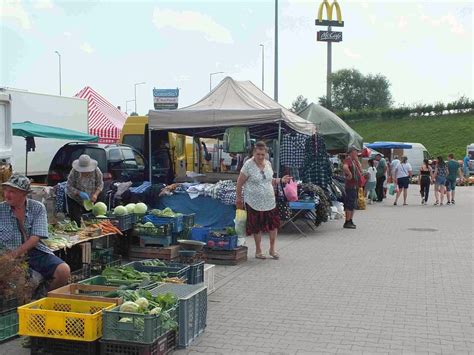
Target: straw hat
x=84, y=164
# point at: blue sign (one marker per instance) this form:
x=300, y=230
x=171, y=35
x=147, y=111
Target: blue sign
x=165, y=92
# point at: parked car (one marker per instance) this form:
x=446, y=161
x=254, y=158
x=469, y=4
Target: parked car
x=118, y=162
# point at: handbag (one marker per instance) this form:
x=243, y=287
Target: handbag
x=283, y=207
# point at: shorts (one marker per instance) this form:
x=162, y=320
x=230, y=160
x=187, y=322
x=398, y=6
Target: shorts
x=450, y=185
x=440, y=180
x=43, y=263
x=403, y=182
x=350, y=199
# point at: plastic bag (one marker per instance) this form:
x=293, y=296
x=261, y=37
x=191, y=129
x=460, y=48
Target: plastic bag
x=361, y=199
x=291, y=191
x=240, y=222
x=391, y=189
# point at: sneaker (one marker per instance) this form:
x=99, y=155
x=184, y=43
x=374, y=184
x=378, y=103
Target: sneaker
x=448, y=203
x=422, y=201
x=349, y=225
x=436, y=203
x=452, y=202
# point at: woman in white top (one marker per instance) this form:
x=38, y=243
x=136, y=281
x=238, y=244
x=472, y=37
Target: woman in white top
x=256, y=179
x=371, y=182
x=403, y=173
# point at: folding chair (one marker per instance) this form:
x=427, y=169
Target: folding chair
x=301, y=208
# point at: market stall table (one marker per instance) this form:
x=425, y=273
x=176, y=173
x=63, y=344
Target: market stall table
x=303, y=209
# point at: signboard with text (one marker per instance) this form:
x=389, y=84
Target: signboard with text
x=165, y=99
x=329, y=36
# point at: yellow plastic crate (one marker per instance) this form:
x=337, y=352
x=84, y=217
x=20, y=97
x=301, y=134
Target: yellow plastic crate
x=59, y=318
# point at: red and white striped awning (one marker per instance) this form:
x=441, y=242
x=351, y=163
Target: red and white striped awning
x=105, y=120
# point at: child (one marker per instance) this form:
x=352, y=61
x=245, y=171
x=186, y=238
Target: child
x=371, y=182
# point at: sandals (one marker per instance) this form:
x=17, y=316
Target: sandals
x=274, y=255
x=260, y=256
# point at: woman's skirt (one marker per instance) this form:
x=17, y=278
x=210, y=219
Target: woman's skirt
x=262, y=221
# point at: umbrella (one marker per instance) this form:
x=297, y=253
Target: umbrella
x=29, y=130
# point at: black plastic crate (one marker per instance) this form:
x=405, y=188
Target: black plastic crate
x=189, y=220
x=8, y=304
x=124, y=222
x=98, y=266
x=48, y=346
x=81, y=274
x=196, y=273
x=165, y=344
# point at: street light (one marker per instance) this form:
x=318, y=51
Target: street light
x=59, y=57
x=210, y=78
x=263, y=67
x=126, y=105
x=275, y=88
x=136, y=94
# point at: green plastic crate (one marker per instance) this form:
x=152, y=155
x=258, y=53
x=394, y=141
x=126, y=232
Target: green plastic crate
x=143, y=329
x=101, y=280
x=8, y=324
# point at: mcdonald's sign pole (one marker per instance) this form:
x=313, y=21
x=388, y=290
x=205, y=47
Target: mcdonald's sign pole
x=329, y=36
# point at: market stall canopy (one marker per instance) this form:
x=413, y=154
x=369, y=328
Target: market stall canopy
x=389, y=145
x=337, y=134
x=30, y=129
x=231, y=103
x=105, y=120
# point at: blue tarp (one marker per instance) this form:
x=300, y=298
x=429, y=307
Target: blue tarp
x=388, y=145
x=209, y=212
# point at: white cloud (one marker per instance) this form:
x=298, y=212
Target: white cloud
x=449, y=19
x=349, y=53
x=67, y=34
x=192, y=21
x=43, y=4
x=13, y=9
x=373, y=19
x=86, y=47
x=402, y=23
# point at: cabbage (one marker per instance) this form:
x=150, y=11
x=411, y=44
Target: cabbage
x=99, y=209
x=129, y=307
x=88, y=205
x=130, y=207
x=142, y=303
x=140, y=208
x=120, y=211
x=156, y=310
x=148, y=224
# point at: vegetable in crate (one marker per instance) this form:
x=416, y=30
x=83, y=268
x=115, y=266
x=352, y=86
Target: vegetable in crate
x=154, y=262
x=14, y=280
x=99, y=209
x=140, y=208
x=120, y=211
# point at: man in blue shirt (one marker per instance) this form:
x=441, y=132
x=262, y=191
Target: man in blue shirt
x=466, y=165
x=381, y=174
x=23, y=225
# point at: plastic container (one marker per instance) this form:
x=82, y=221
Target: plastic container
x=172, y=269
x=98, y=266
x=226, y=242
x=124, y=222
x=196, y=273
x=8, y=303
x=159, y=241
x=143, y=328
x=8, y=324
x=192, y=315
x=188, y=220
x=159, y=230
x=176, y=221
x=81, y=274
x=164, y=345
x=47, y=346
x=200, y=233
x=209, y=277
x=99, y=254
x=101, y=280
x=86, y=292
x=60, y=318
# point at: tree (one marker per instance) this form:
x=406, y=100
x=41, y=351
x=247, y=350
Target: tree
x=351, y=90
x=299, y=104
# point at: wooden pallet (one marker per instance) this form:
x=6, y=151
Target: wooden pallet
x=168, y=254
x=226, y=257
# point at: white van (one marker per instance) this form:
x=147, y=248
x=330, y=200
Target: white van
x=470, y=154
x=416, y=155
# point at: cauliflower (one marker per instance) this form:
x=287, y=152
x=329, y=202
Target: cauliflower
x=129, y=307
x=142, y=302
x=125, y=320
x=156, y=310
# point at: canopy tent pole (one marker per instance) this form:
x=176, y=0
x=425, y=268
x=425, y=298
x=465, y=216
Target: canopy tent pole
x=279, y=144
x=26, y=160
x=149, y=154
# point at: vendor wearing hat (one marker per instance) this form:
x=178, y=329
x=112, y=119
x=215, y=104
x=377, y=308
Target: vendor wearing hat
x=84, y=183
x=353, y=180
x=23, y=226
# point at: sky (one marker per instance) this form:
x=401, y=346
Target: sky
x=424, y=48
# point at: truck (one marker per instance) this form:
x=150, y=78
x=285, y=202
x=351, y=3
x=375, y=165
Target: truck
x=5, y=130
x=51, y=110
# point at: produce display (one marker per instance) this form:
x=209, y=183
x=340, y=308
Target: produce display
x=128, y=273
x=57, y=242
x=167, y=212
x=99, y=209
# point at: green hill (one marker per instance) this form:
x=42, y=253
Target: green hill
x=441, y=135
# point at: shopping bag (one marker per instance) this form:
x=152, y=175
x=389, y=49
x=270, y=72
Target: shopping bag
x=240, y=222
x=391, y=189
x=291, y=191
x=361, y=199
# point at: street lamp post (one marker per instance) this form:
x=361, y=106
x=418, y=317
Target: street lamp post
x=263, y=67
x=126, y=105
x=210, y=78
x=136, y=94
x=59, y=57
x=275, y=89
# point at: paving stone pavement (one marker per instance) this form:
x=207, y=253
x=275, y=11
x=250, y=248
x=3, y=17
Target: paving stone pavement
x=402, y=283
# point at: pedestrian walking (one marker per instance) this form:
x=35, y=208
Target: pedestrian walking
x=425, y=180
x=256, y=179
x=353, y=180
x=371, y=182
x=393, y=167
x=454, y=171
x=440, y=173
x=403, y=173
x=465, y=166
x=381, y=172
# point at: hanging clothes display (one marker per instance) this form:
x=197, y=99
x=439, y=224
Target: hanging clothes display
x=236, y=140
x=323, y=208
x=317, y=169
x=292, y=150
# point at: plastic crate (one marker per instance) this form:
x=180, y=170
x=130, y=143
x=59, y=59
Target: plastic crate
x=200, y=233
x=164, y=345
x=61, y=318
x=81, y=274
x=159, y=230
x=196, y=273
x=47, y=346
x=192, y=313
x=125, y=222
x=8, y=304
x=184, y=234
x=99, y=266
x=188, y=220
x=172, y=269
x=159, y=241
x=8, y=324
x=101, y=280
x=98, y=254
x=176, y=221
x=86, y=292
x=226, y=242
x=209, y=277
x=143, y=329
